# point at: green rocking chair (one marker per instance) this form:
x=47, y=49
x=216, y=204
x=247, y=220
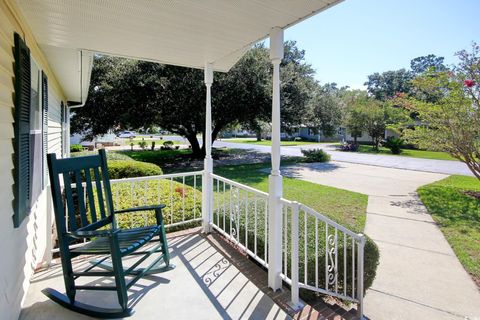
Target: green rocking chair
x=98, y=225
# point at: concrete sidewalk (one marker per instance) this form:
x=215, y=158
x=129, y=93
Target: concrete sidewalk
x=419, y=276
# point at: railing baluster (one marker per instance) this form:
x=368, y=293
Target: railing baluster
x=171, y=200
x=305, y=248
x=326, y=256
x=218, y=202
x=316, y=253
x=265, y=232
x=231, y=209
x=353, y=268
x=195, y=196
x=255, y=226
x=361, y=247
x=224, y=207
x=183, y=198
x=159, y=192
x=246, y=219
x=295, y=282
x=285, y=239
x=335, y=269
x=238, y=212
x=344, y=264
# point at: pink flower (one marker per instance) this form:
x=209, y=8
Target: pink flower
x=469, y=83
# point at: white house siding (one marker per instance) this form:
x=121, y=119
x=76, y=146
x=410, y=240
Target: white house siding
x=25, y=247
x=54, y=124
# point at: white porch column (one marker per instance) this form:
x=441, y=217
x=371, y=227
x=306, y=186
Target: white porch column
x=275, y=179
x=207, y=190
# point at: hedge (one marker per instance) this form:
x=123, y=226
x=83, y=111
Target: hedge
x=120, y=169
x=184, y=203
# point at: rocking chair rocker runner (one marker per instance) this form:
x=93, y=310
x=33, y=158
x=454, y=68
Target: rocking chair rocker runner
x=99, y=225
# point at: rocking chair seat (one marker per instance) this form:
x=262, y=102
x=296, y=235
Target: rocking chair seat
x=129, y=241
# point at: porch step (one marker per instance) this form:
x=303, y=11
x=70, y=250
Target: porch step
x=258, y=275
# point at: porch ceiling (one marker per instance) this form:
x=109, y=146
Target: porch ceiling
x=185, y=33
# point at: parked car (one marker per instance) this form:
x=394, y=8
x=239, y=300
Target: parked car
x=126, y=134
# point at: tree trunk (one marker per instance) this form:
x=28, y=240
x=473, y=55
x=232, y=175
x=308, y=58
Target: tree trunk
x=197, y=152
x=259, y=135
x=355, y=139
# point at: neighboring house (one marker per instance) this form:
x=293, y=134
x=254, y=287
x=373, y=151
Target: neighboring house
x=342, y=134
x=34, y=122
x=367, y=138
x=309, y=133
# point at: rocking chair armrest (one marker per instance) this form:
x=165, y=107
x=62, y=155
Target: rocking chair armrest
x=90, y=234
x=141, y=208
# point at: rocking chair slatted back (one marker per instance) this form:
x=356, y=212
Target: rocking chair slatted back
x=88, y=194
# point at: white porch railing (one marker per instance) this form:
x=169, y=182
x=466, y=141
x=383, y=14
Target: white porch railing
x=180, y=192
x=318, y=254
x=240, y=213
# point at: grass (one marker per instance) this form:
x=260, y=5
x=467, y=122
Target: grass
x=268, y=142
x=424, y=154
x=342, y=206
x=458, y=216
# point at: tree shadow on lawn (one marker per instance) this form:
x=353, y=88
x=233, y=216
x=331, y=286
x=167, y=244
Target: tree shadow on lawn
x=296, y=171
x=451, y=205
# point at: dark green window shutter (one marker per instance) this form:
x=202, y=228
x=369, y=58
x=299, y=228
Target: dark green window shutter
x=45, y=126
x=22, y=131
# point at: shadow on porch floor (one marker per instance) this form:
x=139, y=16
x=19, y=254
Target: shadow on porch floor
x=212, y=280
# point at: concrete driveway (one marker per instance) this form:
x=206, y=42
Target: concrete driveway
x=419, y=276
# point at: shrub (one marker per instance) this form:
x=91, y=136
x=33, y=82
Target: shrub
x=394, y=144
x=167, y=145
x=119, y=169
x=350, y=146
x=315, y=155
x=142, y=144
x=76, y=148
x=181, y=205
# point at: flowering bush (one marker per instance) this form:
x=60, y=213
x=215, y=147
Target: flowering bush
x=451, y=116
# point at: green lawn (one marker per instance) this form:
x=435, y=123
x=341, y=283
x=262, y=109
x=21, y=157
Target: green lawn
x=458, y=216
x=269, y=143
x=408, y=153
x=345, y=207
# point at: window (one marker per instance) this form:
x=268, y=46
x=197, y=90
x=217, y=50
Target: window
x=36, y=146
x=31, y=101
x=22, y=131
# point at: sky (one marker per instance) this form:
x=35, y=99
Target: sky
x=355, y=38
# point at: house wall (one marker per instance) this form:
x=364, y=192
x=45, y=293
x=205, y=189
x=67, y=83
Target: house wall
x=23, y=249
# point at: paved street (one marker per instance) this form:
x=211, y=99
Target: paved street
x=399, y=162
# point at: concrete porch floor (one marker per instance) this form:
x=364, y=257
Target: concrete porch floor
x=204, y=285
x=212, y=280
